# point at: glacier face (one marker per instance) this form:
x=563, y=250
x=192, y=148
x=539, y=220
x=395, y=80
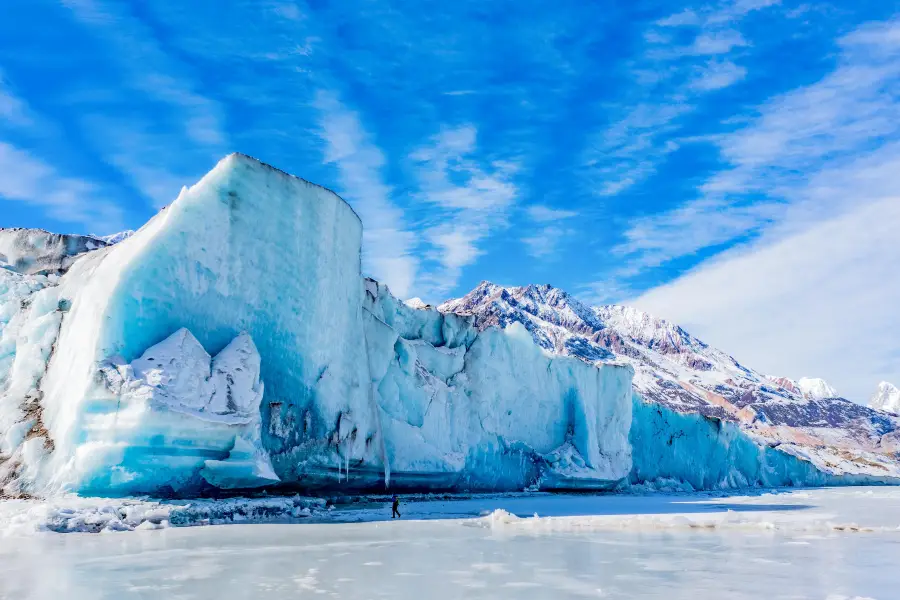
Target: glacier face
x=491, y=410
x=676, y=451
x=689, y=389
x=216, y=348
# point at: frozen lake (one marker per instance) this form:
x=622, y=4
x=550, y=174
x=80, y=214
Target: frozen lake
x=825, y=544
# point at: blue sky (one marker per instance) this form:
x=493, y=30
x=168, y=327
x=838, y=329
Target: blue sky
x=669, y=154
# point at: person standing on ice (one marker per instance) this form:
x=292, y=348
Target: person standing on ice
x=395, y=507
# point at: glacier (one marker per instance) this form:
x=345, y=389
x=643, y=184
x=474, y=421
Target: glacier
x=217, y=350
x=701, y=420
x=675, y=451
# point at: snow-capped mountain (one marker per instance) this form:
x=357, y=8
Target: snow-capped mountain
x=807, y=387
x=817, y=388
x=679, y=371
x=40, y=252
x=787, y=383
x=886, y=397
x=416, y=303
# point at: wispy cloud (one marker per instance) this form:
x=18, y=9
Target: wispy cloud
x=26, y=178
x=473, y=197
x=793, y=162
x=814, y=177
x=717, y=75
x=287, y=10
x=670, y=79
x=551, y=229
x=817, y=303
x=543, y=214
x=388, y=247
x=13, y=110
x=545, y=241
x=716, y=42
x=157, y=150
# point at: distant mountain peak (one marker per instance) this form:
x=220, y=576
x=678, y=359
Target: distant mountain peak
x=417, y=303
x=814, y=387
x=886, y=397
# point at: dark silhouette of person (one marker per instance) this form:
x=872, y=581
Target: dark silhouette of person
x=395, y=507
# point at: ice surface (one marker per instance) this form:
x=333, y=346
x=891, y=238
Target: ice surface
x=809, y=544
x=319, y=379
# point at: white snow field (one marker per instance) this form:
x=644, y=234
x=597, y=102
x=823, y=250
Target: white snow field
x=821, y=544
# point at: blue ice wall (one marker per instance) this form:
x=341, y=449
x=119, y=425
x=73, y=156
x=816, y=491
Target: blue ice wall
x=678, y=451
x=247, y=249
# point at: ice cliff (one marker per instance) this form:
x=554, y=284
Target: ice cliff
x=232, y=343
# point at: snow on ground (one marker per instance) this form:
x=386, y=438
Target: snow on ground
x=74, y=514
x=823, y=544
x=851, y=509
